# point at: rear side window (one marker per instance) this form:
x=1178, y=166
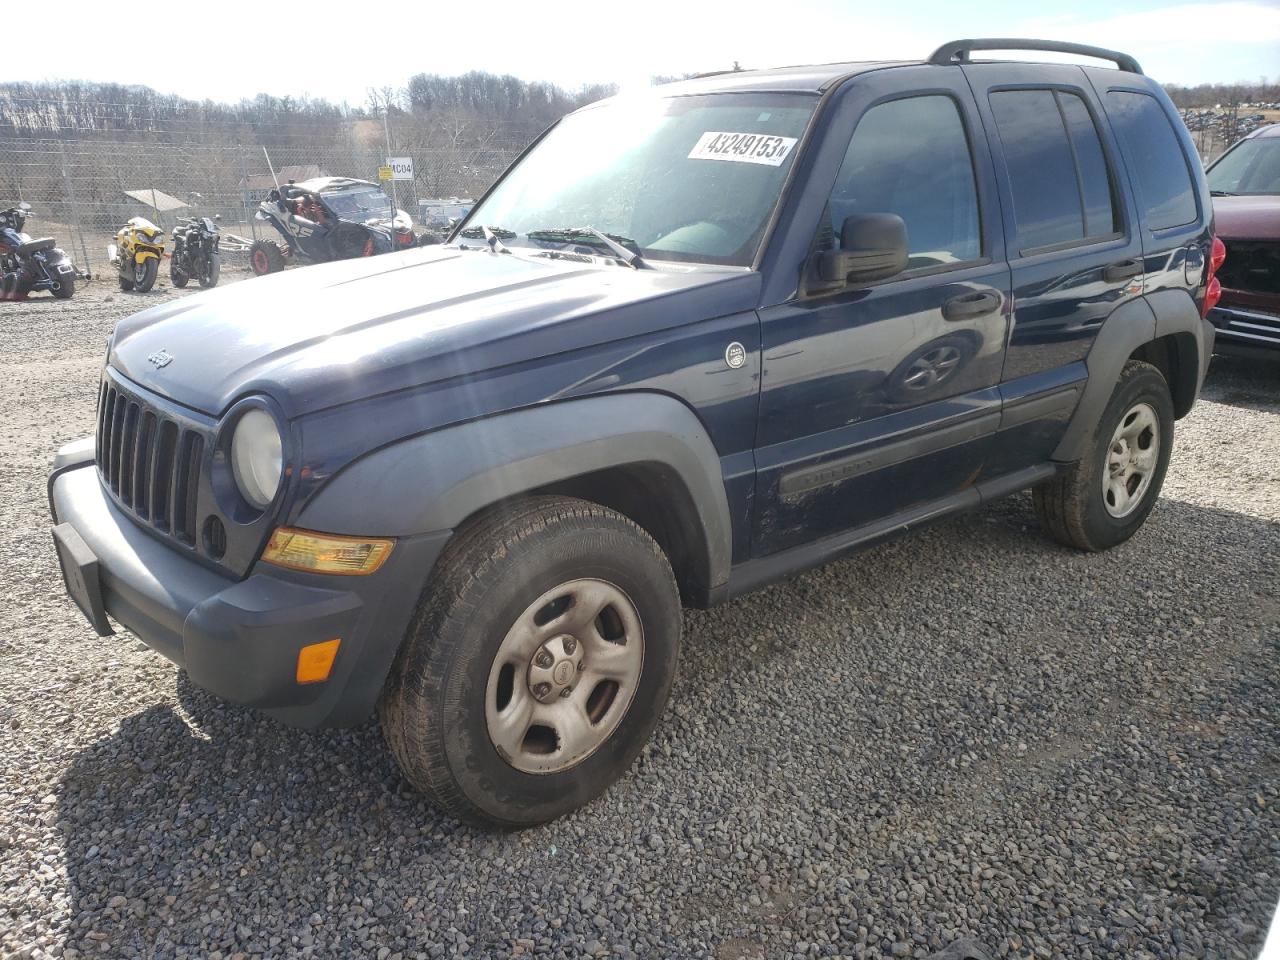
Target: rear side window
x=1057, y=171
x=1153, y=153
x=911, y=157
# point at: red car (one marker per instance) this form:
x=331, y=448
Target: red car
x=1245, y=183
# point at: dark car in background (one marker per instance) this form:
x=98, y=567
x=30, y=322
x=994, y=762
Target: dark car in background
x=1245, y=183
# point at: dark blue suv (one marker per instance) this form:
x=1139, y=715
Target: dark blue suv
x=690, y=343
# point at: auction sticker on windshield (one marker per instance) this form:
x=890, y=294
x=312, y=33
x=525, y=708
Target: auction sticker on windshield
x=742, y=147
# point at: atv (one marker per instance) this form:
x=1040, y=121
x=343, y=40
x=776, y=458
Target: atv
x=328, y=218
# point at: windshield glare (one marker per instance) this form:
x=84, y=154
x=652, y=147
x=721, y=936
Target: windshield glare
x=678, y=178
x=1252, y=167
x=362, y=204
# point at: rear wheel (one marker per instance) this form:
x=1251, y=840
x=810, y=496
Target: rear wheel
x=265, y=257
x=66, y=287
x=144, y=274
x=1102, y=500
x=537, y=665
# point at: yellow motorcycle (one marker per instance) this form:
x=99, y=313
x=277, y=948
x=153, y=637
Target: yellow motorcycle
x=137, y=252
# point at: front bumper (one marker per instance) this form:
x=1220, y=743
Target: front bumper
x=238, y=639
x=1246, y=331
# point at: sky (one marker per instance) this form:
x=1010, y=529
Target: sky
x=237, y=49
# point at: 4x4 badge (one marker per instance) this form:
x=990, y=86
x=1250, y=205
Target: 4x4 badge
x=160, y=358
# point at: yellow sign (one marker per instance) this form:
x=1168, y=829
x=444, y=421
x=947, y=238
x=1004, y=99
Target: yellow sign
x=385, y=173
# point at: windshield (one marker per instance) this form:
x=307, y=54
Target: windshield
x=677, y=178
x=363, y=203
x=1252, y=167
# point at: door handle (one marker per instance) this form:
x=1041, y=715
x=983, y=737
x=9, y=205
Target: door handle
x=1123, y=270
x=975, y=303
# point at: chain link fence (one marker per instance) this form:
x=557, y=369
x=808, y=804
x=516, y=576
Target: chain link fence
x=83, y=183
x=82, y=188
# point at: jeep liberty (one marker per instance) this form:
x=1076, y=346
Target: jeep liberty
x=690, y=343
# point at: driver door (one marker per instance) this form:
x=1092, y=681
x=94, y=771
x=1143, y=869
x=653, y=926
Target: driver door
x=880, y=400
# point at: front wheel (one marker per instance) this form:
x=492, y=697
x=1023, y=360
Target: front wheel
x=537, y=665
x=1102, y=500
x=209, y=275
x=144, y=274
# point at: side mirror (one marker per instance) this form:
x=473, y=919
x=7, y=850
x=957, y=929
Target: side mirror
x=873, y=246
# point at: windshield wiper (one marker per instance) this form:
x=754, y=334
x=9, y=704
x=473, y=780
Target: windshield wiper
x=1221, y=193
x=612, y=242
x=493, y=236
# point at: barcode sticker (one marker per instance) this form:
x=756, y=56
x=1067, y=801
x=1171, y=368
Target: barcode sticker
x=742, y=148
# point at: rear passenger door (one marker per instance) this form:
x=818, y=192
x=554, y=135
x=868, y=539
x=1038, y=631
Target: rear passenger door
x=1073, y=243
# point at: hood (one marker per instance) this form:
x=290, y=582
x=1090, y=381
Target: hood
x=330, y=334
x=1247, y=217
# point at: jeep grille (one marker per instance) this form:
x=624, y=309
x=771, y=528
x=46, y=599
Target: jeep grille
x=149, y=461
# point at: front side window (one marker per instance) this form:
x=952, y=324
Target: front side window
x=673, y=178
x=1252, y=167
x=911, y=157
x=1154, y=155
x=1057, y=171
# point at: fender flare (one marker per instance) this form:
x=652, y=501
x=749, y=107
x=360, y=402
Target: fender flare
x=435, y=481
x=1139, y=321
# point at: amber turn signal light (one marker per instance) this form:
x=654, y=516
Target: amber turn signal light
x=326, y=552
x=315, y=660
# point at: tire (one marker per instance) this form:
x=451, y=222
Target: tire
x=1077, y=508
x=444, y=697
x=177, y=276
x=125, y=283
x=265, y=257
x=209, y=278
x=66, y=287
x=144, y=275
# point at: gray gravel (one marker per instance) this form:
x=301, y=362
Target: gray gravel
x=968, y=733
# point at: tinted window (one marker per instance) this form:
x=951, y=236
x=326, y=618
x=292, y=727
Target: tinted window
x=1099, y=217
x=1057, y=172
x=911, y=157
x=1154, y=156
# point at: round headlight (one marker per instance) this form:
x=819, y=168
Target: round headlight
x=256, y=457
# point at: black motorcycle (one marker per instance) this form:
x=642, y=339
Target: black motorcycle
x=195, y=252
x=29, y=265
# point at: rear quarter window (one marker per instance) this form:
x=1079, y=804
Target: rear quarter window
x=1154, y=155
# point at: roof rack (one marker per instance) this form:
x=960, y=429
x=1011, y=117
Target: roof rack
x=957, y=51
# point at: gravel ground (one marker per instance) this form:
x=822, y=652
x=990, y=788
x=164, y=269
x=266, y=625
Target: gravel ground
x=970, y=733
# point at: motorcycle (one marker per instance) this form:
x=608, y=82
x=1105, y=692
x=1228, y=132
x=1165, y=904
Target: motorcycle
x=28, y=265
x=195, y=252
x=137, y=251
x=328, y=218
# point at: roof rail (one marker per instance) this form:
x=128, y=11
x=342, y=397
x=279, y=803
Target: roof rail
x=957, y=51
